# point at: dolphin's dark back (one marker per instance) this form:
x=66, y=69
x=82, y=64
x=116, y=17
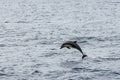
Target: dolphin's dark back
x=74, y=45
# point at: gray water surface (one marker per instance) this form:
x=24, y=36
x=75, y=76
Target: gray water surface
x=32, y=31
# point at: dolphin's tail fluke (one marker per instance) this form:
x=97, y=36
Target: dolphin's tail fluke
x=84, y=56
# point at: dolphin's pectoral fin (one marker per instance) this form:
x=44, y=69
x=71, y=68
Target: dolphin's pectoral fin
x=68, y=47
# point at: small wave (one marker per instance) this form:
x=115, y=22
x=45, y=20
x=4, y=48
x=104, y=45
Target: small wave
x=69, y=64
x=87, y=40
x=117, y=73
x=109, y=73
x=3, y=74
x=50, y=54
x=88, y=70
x=99, y=39
x=53, y=75
x=2, y=45
x=107, y=59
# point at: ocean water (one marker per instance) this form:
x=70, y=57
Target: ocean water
x=32, y=31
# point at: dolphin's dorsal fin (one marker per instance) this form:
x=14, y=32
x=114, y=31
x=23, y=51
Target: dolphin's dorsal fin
x=75, y=41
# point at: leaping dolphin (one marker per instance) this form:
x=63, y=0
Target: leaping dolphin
x=73, y=44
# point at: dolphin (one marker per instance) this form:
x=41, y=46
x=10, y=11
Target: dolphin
x=73, y=44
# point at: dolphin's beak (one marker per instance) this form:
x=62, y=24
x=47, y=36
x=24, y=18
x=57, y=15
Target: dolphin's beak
x=61, y=47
